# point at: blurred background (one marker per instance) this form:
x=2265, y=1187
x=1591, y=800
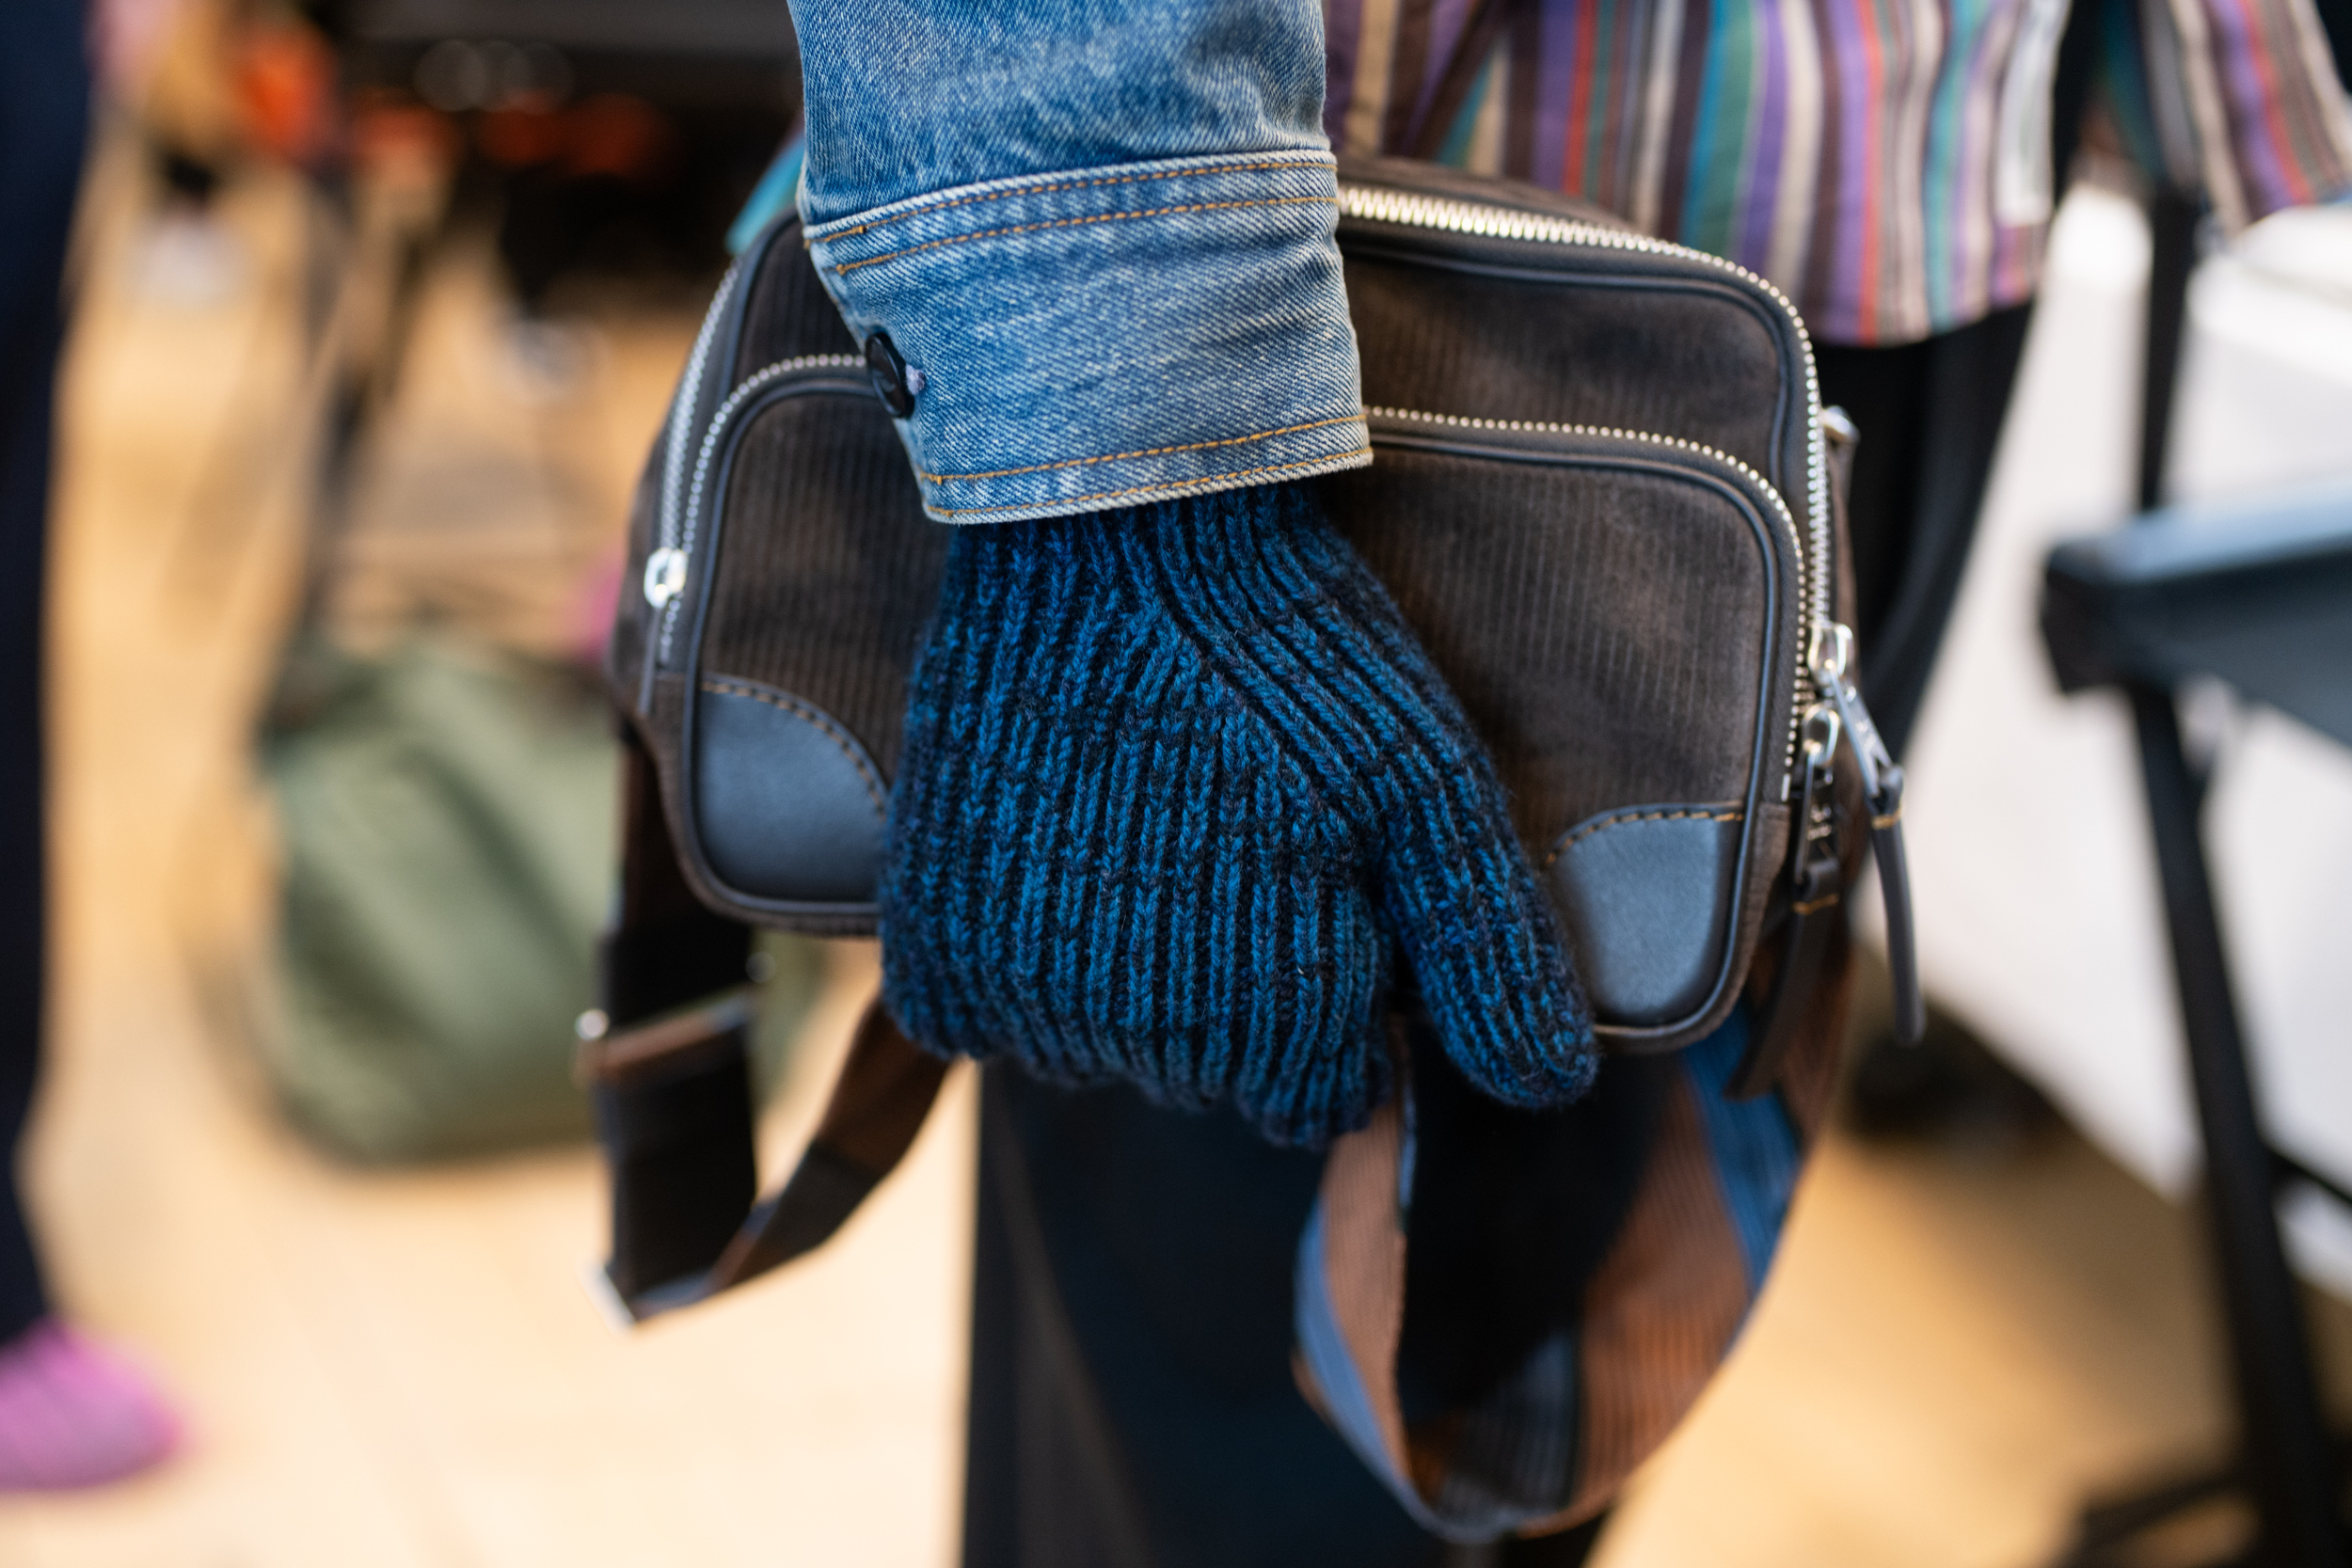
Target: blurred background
x=377, y=306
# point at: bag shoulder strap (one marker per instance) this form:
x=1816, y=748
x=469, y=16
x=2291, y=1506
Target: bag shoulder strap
x=666, y=1063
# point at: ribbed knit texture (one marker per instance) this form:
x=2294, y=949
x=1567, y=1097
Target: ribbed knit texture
x=1179, y=786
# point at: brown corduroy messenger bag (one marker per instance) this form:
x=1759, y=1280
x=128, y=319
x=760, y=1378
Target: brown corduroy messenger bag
x=1607, y=499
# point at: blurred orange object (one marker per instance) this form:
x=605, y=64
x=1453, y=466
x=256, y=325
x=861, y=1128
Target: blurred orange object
x=286, y=90
x=617, y=135
x=388, y=129
x=520, y=134
x=609, y=134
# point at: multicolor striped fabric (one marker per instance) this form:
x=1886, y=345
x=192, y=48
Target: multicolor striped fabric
x=1551, y=1443
x=1884, y=162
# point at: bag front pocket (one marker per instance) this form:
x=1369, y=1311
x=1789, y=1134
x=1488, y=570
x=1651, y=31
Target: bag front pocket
x=1617, y=614
x=816, y=571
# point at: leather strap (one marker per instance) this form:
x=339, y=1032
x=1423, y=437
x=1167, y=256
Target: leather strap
x=1902, y=955
x=666, y=949
x=879, y=1101
x=667, y=1066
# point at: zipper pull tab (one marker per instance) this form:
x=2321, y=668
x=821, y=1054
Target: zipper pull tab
x=1831, y=659
x=665, y=577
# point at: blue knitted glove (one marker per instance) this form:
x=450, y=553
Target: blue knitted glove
x=1178, y=784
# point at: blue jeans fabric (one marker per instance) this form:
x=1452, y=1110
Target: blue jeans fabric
x=1100, y=237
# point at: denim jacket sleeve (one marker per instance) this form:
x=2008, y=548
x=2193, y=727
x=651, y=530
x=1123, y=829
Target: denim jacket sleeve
x=1098, y=235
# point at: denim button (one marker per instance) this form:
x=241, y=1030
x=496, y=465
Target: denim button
x=889, y=375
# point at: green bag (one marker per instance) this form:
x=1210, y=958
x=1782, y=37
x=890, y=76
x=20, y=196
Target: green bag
x=446, y=820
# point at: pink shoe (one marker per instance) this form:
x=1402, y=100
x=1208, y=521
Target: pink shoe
x=71, y=1414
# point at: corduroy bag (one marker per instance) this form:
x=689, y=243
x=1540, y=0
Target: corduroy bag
x=1605, y=495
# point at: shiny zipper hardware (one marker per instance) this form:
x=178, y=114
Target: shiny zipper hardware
x=1814, y=890
x=1447, y=215
x=665, y=563
x=1831, y=655
x=674, y=458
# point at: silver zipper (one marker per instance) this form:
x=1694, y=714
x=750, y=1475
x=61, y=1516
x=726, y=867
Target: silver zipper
x=1539, y=427
x=682, y=416
x=1815, y=568
x=666, y=567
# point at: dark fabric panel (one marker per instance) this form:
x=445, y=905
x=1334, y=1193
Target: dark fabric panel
x=828, y=568
x=1166, y=1246
x=1692, y=362
x=790, y=314
x=2335, y=17
x=1607, y=660
x=680, y=1151
x=1930, y=413
x=1047, y=1480
x=1512, y=1211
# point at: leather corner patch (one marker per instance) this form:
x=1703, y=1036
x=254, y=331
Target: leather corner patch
x=787, y=804
x=1645, y=894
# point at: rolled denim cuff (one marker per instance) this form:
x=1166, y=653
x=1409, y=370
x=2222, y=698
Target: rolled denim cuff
x=1112, y=335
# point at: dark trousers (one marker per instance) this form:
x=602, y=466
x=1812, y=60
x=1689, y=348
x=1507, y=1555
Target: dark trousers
x=44, y=122
x=1930, y=413
x=1132, y=1402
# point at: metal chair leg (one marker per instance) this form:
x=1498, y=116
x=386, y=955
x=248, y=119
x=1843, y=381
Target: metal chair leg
x=2288, y=1467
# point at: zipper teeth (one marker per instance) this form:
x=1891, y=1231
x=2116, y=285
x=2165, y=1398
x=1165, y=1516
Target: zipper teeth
x=1501, y=222
x=1539, y=427
x=682, y=415
x=684, y=541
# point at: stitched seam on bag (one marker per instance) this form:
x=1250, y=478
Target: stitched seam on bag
x=1622, y=819
x=1098, y=217
x=1050, y=188
x=825, y=725
x=1147, y=451
x=1165, y=484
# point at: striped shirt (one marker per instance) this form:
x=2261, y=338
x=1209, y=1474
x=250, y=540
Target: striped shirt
x=1884, y=162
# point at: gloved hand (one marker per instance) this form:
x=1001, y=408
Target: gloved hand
x=1178, y=784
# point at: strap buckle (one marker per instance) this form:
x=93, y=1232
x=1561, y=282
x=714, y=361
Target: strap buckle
x=671, y=1044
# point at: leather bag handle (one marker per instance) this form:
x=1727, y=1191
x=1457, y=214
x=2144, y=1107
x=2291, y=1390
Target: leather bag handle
x=666, y=1061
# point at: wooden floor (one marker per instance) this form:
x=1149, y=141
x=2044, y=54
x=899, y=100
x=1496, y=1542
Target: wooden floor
x=393, y=1369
